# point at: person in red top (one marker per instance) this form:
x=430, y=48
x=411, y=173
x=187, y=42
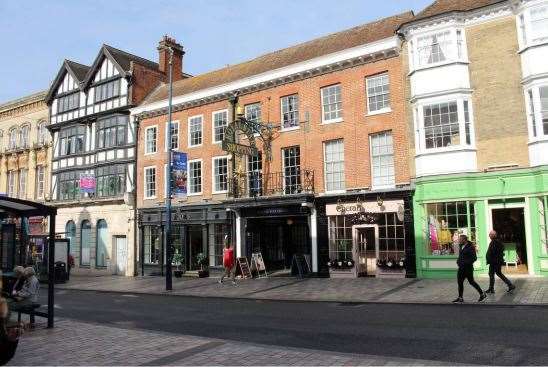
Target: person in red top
x=228, y=262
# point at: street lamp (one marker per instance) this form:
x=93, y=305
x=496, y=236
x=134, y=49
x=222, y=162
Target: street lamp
x=169, y=247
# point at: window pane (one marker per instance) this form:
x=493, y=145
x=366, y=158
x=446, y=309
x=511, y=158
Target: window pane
x=334, y=165
x=331, y=102
x=378, y=92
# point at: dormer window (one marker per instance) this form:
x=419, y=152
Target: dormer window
x=107, y=90
x=438, y=48
x=68, y=102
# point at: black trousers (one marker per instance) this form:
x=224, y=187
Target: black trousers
x=467, y=272
x=496, y=269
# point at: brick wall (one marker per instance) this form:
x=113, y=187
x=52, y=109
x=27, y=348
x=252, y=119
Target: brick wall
x=499, y=106
x=355, y=129
x=145, y=81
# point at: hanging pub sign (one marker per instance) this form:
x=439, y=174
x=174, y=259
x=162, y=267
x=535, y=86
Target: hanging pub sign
x=179, y=174
x=87, y=183
x=229, y=142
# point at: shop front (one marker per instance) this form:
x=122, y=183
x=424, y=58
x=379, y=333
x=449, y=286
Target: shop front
x=513, y=203
x=278, y=228
x=366, y=235
x=197, y=233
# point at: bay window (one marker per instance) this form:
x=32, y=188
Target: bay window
x=533, y=26
x=537, y=104
x=111, y=180
x=438, y=48
x=111, y=132
x=444, y=124
x=68, y=185
x=445, y=222
x=107, y=90
x=72, y=140
x=68, y=102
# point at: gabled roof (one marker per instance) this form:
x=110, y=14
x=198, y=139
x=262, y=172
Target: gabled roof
x=121, y=59
x=78, y=72
x=335, y=42
x=440, y=7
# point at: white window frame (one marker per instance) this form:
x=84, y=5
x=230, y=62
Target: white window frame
x=325, y=163
x=41, y=136
x=388, y=109
x=40, y=184
x=418, y=115
x=214, y=176
x=388, y=186
x=456, y=54
x=526, y=40
x=213, y=114
x=201, y=117
x=337, y=119
x=167, y=143
x=24, y=136
x=22, y=183
x=538, y=112
x=189, y=193
x=145, y=188
x=12, y=183
x=298, y=126
x=155, y=142
x=12, y=138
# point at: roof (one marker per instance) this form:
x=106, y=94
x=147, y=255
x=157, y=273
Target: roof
x=77, y=70
x=35, y=97
x=440, y=7
x=24, y=208
x=80, y=71
x=339, y=41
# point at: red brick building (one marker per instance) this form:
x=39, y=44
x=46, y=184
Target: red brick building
x=335, y=187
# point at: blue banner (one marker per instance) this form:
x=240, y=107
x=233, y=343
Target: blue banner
x=178, y=174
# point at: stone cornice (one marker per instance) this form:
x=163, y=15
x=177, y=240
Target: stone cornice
x=23, y=105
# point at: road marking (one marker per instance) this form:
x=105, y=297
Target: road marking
x=130, y=295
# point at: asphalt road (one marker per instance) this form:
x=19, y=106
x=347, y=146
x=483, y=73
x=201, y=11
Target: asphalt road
x=470, y=334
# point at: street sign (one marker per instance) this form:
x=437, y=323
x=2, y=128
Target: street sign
x=239, y=149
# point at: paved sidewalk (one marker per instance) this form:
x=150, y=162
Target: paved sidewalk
x=76, y=343
x=530, y=291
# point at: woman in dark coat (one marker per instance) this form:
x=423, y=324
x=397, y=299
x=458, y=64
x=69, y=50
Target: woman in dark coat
x=466, y=260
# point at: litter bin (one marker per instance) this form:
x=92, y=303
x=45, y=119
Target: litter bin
x=60, y=272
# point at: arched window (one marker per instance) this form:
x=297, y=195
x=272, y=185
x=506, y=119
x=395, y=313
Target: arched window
x=24, y=136
x=70, y=233
x=12, y=141
x=42, y=133
x=102, y=238
x=85, y=242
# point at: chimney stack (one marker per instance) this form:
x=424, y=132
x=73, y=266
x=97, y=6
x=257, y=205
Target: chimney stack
x=163, y=57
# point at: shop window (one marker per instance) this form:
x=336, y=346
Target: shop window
x=177, y=238
x=445, y=222
x=220, y=122
x=290, y=111
x=334, y=165
x=391, y=238
x=152, y=244
x=331, y=104
x=543, y=223
x=382, y=160
x=101, y=248
x=85, y=243
x=216, y=243
x=340, y=238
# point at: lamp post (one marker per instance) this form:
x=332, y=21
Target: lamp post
x=169, y=247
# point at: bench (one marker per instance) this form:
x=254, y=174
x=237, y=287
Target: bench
x=31, y=311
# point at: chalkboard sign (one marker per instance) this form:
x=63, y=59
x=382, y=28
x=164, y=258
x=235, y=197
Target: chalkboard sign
x=258, y=262
x=244, y=267
x=299, y=266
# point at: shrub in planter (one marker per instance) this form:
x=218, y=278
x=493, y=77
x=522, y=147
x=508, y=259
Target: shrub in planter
x=178, y=261
x=201, y=260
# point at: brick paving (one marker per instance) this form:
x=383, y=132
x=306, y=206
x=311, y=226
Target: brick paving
x=529, y=290
x=78, y=343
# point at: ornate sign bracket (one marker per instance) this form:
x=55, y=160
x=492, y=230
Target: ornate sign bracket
x=252, y=130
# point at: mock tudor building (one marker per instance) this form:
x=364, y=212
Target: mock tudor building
x=478, y=97
x=94, y=150
x=302, y=151
x=25, y=152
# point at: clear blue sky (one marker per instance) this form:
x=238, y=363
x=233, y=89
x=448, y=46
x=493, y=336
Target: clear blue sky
x=36, y=35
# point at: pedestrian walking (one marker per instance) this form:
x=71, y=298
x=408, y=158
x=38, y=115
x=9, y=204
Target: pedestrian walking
x=465, y=262
x=495, y=259
x=228, y=262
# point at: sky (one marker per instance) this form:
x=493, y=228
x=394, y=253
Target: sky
x=37, y=35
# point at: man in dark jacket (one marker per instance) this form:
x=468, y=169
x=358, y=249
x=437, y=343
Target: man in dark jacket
x=495, y=259
x=466, y=260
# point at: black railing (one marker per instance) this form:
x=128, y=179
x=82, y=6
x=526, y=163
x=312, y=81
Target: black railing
x=253, y=184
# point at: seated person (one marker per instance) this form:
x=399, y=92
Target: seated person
x=19, y=272
x=29, y=292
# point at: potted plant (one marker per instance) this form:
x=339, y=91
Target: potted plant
x=201, y=260
x=178, y=260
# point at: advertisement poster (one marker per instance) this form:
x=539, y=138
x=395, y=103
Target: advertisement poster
x=87, y=183
x=179, y=174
